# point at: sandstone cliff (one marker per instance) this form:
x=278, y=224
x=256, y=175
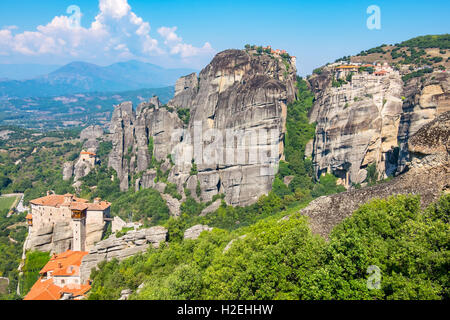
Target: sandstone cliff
x=239, y=92
x=91, y=137
x=428, y=176
x=134, y=242
x=368, y=120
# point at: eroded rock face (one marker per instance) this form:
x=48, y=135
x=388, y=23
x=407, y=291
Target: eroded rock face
x=67, y=171
x=131, y=134
x=134, y=242
x=238, y=92
x=430, y=145
x=90, y=135
x=58, y=237
x=369, y=120
x=424, y=101
x=195, y=231
x=428, y=176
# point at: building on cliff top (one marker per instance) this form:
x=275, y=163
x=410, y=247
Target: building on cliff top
x=89, y=157
x=76, y=212
x=60, y=279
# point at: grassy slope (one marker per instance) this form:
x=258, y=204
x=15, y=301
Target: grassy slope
x=7, y=202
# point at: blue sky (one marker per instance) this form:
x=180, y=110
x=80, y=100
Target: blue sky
x=176, y=33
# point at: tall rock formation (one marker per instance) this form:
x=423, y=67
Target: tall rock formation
x=237, y=110
x=369, y=119
x=428, y=176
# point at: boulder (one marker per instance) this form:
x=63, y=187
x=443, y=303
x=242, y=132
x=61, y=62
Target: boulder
x=195, y=231
x=211, y=208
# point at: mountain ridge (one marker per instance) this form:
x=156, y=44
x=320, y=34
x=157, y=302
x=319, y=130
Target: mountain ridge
x=84, y=77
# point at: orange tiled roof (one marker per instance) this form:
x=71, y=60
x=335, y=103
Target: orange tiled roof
x=76, y=290
x=347, y=67
x=79, y=206
x=47, y=290
x=65, y=264
x=380, y=72
x=44, y=290
x=55, y=200
x=89, y=153
x=100, y=206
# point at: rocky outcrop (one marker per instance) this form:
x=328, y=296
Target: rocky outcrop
x=185, y=90
x=58, y=237
x=90, y=136
x=173, y=205
x=430, y=146
x=424, y=101
x=134, y=242
x=55, y=238
x=239, y=96
x=68, y=171
x=195, y=231
x=131, y=134
x=357, y=125
x=82, y=168
x=369, y=119
x=211, y=208
x=428, y=176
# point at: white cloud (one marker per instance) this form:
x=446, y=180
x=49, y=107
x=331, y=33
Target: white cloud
x=116, y=33
x=176, y=45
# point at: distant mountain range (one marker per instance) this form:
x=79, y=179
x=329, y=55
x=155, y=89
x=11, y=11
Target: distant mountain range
x=25, y=71
x=82, y=77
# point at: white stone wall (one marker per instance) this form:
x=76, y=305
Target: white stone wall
x=44, y=216
x=62, y=281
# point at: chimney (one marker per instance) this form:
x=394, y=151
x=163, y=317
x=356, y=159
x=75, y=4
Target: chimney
x=48, y=193
x=97, y=200
x=68, y=198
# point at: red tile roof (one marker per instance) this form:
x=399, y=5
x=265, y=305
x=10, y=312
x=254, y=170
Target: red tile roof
x=89, y=153
x=47, y=290
x=347, y=67
x=44, y=290
x=79, y=206
x=65, y=264
x=100, y=206
x=57, y=201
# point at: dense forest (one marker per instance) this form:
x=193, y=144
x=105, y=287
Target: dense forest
x=280, y=259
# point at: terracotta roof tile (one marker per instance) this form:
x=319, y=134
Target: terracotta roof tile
x=100, y=206
x=47, y=290
x=65, y=264
x=55, y=200
x=79, y=206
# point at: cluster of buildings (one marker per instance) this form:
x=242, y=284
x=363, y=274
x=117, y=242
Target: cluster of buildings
x=342, y=70
x=278, y=52
x=60, y=278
